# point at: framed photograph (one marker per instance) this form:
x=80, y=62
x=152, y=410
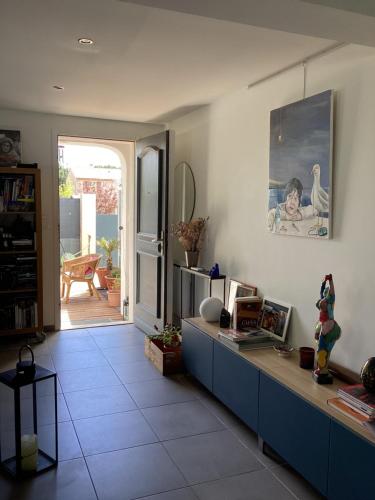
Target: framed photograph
x=10, y=148
x=275, y=318
x=300, y=168
x=237, y=289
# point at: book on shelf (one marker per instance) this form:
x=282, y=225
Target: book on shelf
x=246, y=312
x=16, y=191
x=358, y=397
x=347, y=410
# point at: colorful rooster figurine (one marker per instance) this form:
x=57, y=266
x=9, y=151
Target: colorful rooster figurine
x=327, y=331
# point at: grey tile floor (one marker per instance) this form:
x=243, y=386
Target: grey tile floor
x=125, y=432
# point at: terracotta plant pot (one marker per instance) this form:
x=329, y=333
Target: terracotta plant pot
x=114, y=298
x=101, y=273
x=110, y=281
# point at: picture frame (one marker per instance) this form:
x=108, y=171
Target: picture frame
x=275, y=318
x=238, y=289
x=300, y=168
x=10, y=148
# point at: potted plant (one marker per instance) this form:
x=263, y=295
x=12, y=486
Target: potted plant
x=114, y=292
x=164, y=349
x=190, y=235
x=112, y=276
x=108, y=246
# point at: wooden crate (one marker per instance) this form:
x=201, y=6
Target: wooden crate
x=166, y=362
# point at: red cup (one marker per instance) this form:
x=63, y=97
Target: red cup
x=306, y=357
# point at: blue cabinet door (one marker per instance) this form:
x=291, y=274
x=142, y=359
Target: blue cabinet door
x=351, y=465
x=298, y=431
x=197, y=352
x=236, y=384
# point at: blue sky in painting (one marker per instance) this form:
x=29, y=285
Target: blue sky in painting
x=305, y=128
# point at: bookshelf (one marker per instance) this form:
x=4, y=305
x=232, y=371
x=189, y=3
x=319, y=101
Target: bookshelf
x=21, y=293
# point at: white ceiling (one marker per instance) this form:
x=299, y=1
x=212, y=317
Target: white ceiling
x=146, y=64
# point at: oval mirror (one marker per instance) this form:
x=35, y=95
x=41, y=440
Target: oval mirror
x=184, y=192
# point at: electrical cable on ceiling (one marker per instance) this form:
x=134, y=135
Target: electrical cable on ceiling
x=304, y=61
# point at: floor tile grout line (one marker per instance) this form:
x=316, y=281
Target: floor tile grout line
x=233, y=476
x=230, y=429
x=166, y=491
x=105, y=414
x=191, y=485
x=80, y=446
x=284, y=485
x=175, y=464
x=124, y=386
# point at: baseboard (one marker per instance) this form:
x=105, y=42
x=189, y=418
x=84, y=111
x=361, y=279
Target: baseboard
x=49, y=328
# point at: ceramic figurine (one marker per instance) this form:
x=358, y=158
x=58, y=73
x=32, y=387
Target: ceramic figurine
x=215, y=272
x=327, y=331
x=224, y=319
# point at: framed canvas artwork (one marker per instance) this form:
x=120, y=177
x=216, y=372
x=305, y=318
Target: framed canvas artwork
x=300, y=168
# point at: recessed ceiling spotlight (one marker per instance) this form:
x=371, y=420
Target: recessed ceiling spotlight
x=85, y=41
x=58, y=87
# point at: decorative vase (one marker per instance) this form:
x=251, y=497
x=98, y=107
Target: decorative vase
x=368, y=375
x=191, y=258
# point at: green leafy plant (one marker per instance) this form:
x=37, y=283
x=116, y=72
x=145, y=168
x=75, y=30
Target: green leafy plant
x=108, y=246
x=170, y=335
x=66, y=188
x=116, y=285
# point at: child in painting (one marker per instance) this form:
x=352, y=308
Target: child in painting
x=291, y=208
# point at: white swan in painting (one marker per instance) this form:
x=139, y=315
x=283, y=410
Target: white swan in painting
x=319, y=198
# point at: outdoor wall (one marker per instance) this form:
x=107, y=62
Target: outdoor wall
x=39, y=133
x=107, y=227
x=88, y=223
x=227, y=146
x=70, y=226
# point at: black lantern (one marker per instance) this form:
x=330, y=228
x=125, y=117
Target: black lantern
x=28, y=402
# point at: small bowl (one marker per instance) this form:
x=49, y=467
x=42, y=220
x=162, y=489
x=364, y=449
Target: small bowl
x=283, y=350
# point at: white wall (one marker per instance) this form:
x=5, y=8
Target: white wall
x=227, y=145
x=39, y=133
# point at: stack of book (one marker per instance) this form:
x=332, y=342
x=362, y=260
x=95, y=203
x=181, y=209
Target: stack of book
x=357, y=403
x=241, y=341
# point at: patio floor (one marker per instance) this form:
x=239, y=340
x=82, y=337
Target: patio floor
x=84, y=310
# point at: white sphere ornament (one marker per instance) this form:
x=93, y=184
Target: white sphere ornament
x=210, y=309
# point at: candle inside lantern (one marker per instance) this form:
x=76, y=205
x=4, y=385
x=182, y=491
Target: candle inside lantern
x=29, y=452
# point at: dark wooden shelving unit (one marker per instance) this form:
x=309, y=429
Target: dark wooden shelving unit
x=21, y=299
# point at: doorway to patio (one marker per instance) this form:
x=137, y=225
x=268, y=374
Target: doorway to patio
x=95, y=191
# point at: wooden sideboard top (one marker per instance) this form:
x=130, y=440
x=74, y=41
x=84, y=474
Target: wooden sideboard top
x=287, y=372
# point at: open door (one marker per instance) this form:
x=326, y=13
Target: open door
x=151, y=232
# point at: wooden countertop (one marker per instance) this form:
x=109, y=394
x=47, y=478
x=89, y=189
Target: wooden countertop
x=287, y=372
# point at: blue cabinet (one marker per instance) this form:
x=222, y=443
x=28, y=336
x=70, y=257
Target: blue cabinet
x=236, y=384
x=197, y=352
x=351, y=465
x=296, y=430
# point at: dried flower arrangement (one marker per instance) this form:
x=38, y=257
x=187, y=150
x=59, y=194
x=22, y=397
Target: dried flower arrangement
x=190, y=234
